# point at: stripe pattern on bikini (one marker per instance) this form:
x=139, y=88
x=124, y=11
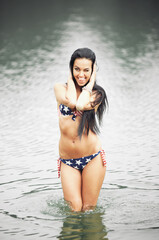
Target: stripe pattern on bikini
x=58, y=167
x=103, y=157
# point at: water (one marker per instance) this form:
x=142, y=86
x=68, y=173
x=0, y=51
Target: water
x=37, y=40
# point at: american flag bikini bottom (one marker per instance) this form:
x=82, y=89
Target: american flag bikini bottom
x=80, y=163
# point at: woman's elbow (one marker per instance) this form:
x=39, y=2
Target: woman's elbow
x=56, y=87
x=72, y=104
x=79, y=107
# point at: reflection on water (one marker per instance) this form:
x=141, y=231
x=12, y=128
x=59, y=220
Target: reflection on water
x=83, y=226
x=37, y=41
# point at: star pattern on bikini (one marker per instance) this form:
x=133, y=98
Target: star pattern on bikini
x=69, y=163
x=66, y=109
x=78, y=162
x=88, y=159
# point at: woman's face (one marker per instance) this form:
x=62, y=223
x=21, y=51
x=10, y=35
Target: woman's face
x=82, y=70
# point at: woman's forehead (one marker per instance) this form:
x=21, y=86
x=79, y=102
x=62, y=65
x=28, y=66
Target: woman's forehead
x=83, y=63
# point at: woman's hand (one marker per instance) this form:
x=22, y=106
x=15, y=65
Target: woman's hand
x=71, y=94
x=70, y=77
x=93, y=76
x=90, y=84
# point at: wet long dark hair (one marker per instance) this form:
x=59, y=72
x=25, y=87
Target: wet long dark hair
x=88, y=120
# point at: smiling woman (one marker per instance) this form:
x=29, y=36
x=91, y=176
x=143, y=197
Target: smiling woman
x=82, y=159
x=82, y=70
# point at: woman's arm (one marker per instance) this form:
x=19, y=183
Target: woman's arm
x=84, y=100
x=66, y=94
x=71, y=93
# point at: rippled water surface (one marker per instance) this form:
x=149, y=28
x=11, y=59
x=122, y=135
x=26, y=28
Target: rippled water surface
x=37, y=40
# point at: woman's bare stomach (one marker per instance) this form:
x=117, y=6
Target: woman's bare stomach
x=76, y=147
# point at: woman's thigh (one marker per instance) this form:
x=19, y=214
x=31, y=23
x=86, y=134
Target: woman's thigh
x=92, y=179
x=71, y=183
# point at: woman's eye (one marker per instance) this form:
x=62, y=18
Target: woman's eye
x=76, y=69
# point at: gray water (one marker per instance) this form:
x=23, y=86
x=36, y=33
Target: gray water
x=37, y=40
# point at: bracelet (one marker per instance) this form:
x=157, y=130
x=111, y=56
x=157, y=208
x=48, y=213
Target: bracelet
x=87, y=89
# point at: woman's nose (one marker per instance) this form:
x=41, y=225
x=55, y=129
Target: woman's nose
x=81, y=74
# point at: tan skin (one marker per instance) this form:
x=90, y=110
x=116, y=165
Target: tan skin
x=81, y=190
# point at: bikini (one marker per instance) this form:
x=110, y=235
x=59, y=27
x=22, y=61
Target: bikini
x=80, y=163
x=77, y=163
x=66, y=111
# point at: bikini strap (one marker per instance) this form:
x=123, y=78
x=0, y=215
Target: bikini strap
x=76, y=113
x=103, y=157
x=58, y=167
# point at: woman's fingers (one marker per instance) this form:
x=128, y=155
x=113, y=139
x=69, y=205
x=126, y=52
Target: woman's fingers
x=94, y=67
x=70, y=74
x=93, y=77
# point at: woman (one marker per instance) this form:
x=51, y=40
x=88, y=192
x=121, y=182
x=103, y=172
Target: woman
x=81, y=161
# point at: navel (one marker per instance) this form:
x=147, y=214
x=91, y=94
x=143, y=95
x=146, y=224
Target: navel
x=73, y=141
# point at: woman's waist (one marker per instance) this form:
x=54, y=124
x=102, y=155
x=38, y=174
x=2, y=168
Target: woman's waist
x=76, y=148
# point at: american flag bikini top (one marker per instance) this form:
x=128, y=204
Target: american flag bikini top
x=68, y=111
